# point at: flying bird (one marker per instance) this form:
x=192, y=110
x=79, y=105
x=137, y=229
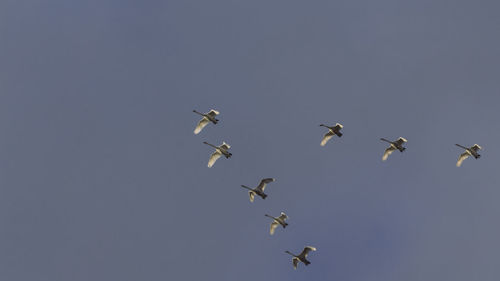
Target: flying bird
x=207, y=118
x=219, y=151
x=259, y=190
x=277, y=221
x=469, y=151
x=397, y=144
x=301, y=257
x=335, y=130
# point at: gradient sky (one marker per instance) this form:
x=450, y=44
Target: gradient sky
x=102, y=178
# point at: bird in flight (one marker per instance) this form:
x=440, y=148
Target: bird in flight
x=301, y=257
x=277, y=221
x=259, y=190
x=397, y=144
x=469, y=151
x=207, y=118
x=219, y=151
x=335, y=130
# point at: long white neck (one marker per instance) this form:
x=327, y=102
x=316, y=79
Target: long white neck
x=290, y=253
x=210, y=145
x=271, y=217
x=386, y=140
x=198, y=113
x=244, y=186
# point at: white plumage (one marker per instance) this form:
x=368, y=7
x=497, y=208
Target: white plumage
x=219, y=151
x=207, y=118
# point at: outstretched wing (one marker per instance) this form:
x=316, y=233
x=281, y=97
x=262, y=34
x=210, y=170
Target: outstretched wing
x=283, y=216
x=306, y=251
x=203, y=122
x=225, y=146
x=475, y=148
x=274, y=224
x=262, y=184
x=400, y=141
x=326, y=138
x=462, y=157
x=295, y=261
x=252, y=195
x=213, y=113
x=388, y=152
x=216, y=155
x=338, y=126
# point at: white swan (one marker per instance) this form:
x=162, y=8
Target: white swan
x=469, y=151
x=301, y=257
x=397, y=144
x=219, y=151
x=335, y=130
x=277, y=221
x=259, y=190
x=207, y=118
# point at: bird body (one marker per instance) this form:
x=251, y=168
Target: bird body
x=301, y=257
x=277, y=221
x=397, y=144
x=469, y=151
x=219, y=151
x=335, y=130
x=259, y=190
x=207, y=118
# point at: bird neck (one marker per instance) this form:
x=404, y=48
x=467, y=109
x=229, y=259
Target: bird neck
x=244, y=186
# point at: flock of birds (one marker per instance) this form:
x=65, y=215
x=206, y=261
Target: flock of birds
x=210, y=117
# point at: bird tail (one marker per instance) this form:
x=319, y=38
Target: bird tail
x=402, y=149
x=339, y=134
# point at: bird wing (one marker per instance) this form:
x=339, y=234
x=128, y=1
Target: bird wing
x=252, y=195
x=338, y=126
x=225, y=146
x=400, y=141
x=326, y=138
x=295, y=261
x=462, y=157
x=213, y=113
x=388, y=152
x=262, y=184
x=283, y=217
x=203, y=122
x=216, y=155
x=306, y=251
x=475, y=148
x=274, y=224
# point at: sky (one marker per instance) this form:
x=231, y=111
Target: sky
x=102, y=178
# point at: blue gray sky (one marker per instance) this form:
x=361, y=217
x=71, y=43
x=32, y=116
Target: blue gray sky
x=102, y=178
